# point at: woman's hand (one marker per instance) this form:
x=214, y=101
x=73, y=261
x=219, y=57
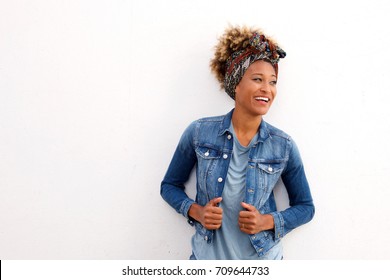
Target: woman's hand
x=251, y=221
x=210, y=215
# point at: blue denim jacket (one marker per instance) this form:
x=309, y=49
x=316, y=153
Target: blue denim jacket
x=207, y=144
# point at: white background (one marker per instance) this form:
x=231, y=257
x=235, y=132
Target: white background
x=95, y=94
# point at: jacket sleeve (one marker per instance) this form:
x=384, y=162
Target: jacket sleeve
x=178, y=173
x=301, y=208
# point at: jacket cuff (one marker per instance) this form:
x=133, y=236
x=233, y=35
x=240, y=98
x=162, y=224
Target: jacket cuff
x=185, y=207
x=279, y=225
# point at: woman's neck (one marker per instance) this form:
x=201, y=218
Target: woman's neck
x=245, y=126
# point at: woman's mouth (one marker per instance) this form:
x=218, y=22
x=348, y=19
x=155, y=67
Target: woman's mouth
x=265, y=99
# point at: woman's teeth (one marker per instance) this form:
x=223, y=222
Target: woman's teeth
x=265, y=99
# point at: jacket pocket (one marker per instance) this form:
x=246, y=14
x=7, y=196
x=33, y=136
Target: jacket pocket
x=272, y=167
x=208, y=157
x=208, y=152
x=268, y=173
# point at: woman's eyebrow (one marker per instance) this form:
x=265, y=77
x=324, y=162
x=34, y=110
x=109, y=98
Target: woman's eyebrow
x=261, y=74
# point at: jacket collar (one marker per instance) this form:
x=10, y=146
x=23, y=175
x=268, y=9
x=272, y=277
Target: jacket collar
x=262, y=134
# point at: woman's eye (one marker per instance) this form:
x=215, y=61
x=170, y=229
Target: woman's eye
x=273, y=83
x=257, y=79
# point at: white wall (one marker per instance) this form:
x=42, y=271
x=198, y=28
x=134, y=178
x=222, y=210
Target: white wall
x=94, y=96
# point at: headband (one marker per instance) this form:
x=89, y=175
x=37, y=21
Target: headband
x=259, y=49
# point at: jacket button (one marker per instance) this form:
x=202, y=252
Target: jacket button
x=229, y=137
x=220, y=179
x=270, y=169
x=206, y=154
x=206, y=238
x=225, y=156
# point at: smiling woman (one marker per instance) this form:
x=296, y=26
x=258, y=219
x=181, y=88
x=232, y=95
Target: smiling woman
x=239, y=158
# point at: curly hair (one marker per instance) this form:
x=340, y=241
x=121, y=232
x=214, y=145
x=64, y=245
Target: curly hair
x=235, y=38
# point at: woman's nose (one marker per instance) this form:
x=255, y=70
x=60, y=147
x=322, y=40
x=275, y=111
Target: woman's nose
x=265, y=87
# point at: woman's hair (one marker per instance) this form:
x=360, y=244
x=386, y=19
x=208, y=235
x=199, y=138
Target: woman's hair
x=235, y=38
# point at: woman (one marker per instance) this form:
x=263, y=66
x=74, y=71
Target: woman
x=239, y=158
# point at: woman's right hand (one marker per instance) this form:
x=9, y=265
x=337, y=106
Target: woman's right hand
x=210, y=215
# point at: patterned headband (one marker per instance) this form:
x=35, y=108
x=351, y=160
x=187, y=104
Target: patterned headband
x=259, y=49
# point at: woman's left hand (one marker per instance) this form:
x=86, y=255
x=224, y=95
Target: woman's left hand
x=251, y=221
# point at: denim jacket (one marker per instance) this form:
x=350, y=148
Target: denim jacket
x=208, y=144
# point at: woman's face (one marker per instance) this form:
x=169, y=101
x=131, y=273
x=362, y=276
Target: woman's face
x=257, y=89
